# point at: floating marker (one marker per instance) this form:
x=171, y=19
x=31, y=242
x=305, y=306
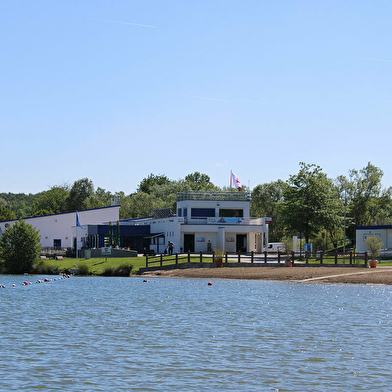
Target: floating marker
x=209, y=283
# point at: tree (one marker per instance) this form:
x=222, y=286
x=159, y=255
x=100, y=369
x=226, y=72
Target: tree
x=146, y=184
x=81, y=190
x=6, y=214
x=311, y=201
x=200, y=182
x=139, y=205
x=53, y=201
x=100, y=198
x=19, y=247
x=266, y=201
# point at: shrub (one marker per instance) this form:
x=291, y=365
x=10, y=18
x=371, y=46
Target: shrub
x=83, y=269
x=121, y=270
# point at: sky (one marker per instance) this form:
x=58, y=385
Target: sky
x=116, y=90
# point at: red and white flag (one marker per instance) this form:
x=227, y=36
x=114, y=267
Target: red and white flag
x=234, y=181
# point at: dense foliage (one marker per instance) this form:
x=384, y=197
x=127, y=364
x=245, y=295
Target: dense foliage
x=19, y=247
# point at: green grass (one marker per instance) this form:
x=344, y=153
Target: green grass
x=97, y=266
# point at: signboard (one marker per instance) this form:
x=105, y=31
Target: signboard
x=106, y=251
x=228, y=221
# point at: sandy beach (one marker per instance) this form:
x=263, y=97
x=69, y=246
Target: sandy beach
x=359, y=275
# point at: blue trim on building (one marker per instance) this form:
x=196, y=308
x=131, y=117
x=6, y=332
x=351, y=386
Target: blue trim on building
x=60, y=213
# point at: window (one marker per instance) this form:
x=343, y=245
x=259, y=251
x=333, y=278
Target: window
x=231, y=213
x=197, y=213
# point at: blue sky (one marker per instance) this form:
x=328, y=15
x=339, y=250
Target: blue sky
x=116, y=90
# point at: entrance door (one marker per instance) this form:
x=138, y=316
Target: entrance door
x=241, y=243
x=189, y=242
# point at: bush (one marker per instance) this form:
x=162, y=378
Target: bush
x=19, y=247
x=44, y=269
x=121, y=270
x=83, y=269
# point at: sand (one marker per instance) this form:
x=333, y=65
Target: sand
x=310, y=274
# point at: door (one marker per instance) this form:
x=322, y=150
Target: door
x=189, y=242
x=241, y=243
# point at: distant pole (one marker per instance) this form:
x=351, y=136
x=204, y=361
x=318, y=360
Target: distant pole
x=76, y=240
x=344, y=240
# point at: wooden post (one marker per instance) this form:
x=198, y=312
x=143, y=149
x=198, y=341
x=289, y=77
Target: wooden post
x=189, y=256
x=292, y=258
x=321, y=257
x=146, y=261
x=307, y=257
x=351, y=257
x=201, y=256
x=252, y=257
x=239, y=256
x=336, y=256
x=176, y=258
x=278, y=256
x=366, y=260
x=226, y=257
x=161, y=259
x=265, y=256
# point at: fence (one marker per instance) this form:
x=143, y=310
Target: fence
x=258, y=258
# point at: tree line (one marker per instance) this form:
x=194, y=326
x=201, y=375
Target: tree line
x=309, y=204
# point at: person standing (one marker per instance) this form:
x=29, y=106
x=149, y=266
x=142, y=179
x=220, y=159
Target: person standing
x=171, y=246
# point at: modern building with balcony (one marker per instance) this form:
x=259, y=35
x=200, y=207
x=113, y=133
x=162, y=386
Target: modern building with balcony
x=209, y=220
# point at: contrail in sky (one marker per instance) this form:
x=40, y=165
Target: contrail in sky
x=126, y=23
x=220, y=100
x=372, y=59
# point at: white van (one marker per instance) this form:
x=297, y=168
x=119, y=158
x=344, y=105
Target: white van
x=275, y=247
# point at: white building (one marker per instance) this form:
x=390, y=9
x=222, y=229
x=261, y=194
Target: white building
x=59, y=230
x=208, y=220
x=382, y=231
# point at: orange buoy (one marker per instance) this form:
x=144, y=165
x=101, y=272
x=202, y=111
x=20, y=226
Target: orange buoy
x=209, y=283
x=25, y=283
x=145, y=280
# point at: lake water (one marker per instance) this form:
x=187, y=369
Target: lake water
x=123, y=334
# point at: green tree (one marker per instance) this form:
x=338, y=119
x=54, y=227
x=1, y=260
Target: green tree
x=81, y=190
x=200, y=182
x=146, y=184
x=366, y=188
x=266, y=201
x=311, y=202
x=100, y=198
x=139, y=205
x=54, y=201
x=19, y=247
x=6, y=214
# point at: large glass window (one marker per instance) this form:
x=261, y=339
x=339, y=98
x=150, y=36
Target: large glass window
x=202, y=213
x=231, y=213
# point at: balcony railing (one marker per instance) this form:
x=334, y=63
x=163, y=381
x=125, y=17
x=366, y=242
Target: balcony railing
x=221, y=196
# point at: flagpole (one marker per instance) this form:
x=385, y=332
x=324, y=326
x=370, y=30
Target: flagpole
x=76, y=239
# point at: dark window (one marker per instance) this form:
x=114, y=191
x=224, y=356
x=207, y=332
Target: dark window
x=231, y=213
x=185, y=212
x=57, y=243
x=202, y=212
x=179, y=212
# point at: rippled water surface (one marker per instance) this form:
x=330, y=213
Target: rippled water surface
x=123, y=334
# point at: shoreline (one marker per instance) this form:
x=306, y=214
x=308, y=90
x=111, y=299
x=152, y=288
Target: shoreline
x=380, y=275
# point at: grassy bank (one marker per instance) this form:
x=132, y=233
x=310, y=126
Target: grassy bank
x=102, y=266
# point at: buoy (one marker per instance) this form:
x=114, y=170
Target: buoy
x=14, y=285
x=25, y=283
x=145, y=280
x=209, y=283
x=47, y=280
